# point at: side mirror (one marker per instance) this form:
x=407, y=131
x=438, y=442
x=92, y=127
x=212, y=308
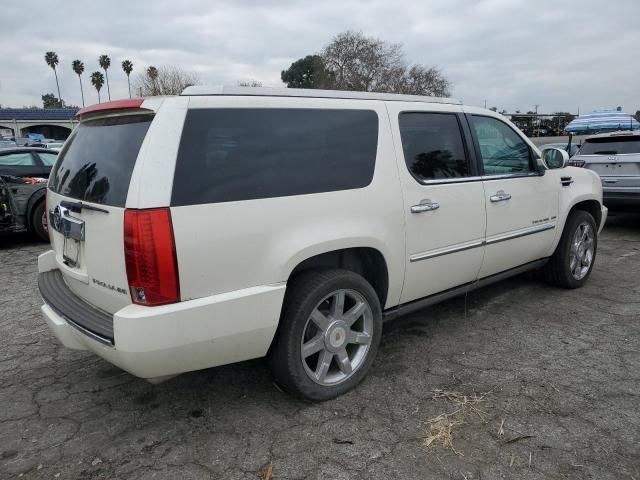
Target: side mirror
x=555, y=158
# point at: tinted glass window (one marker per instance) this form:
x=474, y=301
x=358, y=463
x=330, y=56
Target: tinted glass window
x=98, y=159
x=241, y=154
x=611, y=146
x=432, y=145
x=48, y=158
x=503, y=151
x=17, y=159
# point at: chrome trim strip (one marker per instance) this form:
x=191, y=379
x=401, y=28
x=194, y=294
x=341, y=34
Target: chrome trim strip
x=461, y=247
x=520, y=233
x=441, y=181
x=438, y=252
x=88, y=333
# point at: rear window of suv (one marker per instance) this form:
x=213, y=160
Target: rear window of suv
x=611, y=146
x=98, y=159
x=242, y=154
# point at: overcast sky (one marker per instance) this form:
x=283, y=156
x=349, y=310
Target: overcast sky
x=562, y=54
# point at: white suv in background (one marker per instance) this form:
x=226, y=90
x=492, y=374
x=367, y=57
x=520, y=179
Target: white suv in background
x=234, y=223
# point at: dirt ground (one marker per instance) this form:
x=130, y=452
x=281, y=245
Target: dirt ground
x=545, y=382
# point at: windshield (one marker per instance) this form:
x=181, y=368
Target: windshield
x=611, y=146
x=98, y=159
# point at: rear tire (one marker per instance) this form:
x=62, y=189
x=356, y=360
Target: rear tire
x=328, y=336
x=572, y=262
x=39, y=223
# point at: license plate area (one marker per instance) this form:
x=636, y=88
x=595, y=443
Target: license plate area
x=73, y=232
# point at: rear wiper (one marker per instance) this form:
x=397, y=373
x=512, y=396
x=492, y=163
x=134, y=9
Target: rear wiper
x=79, y=206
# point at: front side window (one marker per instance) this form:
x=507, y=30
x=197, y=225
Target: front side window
x=48, y=159
x=432, y=144
x=21, y=159
x=503, y=151
x=237, y=154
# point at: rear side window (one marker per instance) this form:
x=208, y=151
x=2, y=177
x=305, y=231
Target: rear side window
x=432, y=144
x=611, y=146
x=242, y=154
x=98, y=159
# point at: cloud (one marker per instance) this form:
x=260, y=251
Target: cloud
x=513, y=54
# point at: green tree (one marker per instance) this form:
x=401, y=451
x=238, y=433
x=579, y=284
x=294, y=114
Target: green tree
x=307, y=72
x=49, y=100
x=78, y=68
x=97, y=80
x=52, y=60
x=105, y=63
x=637, y=115
x=127, y=67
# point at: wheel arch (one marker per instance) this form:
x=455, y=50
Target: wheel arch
x=35, y=198
x=369, y=262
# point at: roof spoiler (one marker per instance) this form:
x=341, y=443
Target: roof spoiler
x=110, y=106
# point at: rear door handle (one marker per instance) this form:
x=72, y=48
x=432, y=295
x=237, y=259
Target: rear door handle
x=500, y=196
x=425, y=206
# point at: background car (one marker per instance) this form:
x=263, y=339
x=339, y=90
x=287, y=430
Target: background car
x=23, y=181
x=616, y=158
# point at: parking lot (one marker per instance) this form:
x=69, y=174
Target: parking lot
x=545, y=382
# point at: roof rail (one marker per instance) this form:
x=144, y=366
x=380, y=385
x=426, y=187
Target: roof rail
x=203, y=90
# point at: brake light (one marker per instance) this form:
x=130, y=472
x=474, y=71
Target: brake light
x=150, y=256
x=577, y=163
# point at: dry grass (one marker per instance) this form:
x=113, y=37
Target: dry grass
x=442, y=428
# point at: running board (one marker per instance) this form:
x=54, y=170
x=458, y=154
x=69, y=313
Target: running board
x=410, y=307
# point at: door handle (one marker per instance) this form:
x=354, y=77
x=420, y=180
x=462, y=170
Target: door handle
x=500, y=196
x=425, y=206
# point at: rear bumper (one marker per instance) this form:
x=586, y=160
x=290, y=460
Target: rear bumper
x=151, y=342
x=617, y=200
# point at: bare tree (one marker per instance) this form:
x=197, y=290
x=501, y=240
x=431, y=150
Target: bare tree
x=356, y=62
x=167, y=80
x=249, y=83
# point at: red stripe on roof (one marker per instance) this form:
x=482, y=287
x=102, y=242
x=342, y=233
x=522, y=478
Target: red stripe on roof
x=113, y=105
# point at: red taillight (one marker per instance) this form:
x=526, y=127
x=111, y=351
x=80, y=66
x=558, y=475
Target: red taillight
x=150, y=256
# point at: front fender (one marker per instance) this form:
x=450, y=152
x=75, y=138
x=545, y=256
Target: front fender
x=586, y=186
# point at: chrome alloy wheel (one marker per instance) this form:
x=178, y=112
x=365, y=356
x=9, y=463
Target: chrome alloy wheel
x=582, y=250
x=337, y=337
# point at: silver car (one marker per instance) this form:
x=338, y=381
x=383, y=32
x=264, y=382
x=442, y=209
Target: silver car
x=616, y=158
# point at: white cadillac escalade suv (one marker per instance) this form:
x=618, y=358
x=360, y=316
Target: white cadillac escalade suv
x=227, y=224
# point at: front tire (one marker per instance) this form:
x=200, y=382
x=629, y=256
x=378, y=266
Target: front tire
x=328, y=336
x=39, y=223
x=572, y=262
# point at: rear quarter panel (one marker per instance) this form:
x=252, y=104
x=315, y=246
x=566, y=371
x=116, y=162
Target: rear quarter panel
x=229, y=246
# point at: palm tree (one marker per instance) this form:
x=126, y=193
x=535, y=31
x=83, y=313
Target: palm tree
x=105, y=63
x=78, y=67
x=152, y=73
x=52, y=60
x=97, y=79
x=127, y=66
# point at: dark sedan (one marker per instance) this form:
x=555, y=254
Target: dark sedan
x=23, y=185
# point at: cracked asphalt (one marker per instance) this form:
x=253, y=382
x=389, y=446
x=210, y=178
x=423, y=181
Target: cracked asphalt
x=560, y=370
